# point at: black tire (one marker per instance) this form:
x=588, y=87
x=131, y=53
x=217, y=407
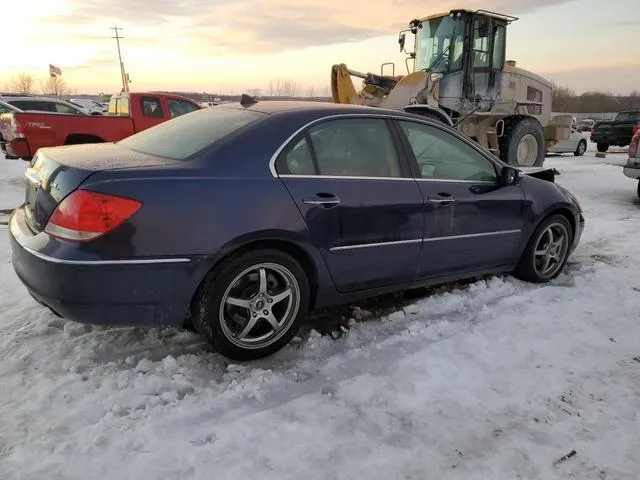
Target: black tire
x=527, y=268
x=602, y=147
x=515, y=130
x=638, y=188
x=582, y=147
x=207, y=318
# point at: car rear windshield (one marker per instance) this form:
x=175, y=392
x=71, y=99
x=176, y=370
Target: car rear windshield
x=628, y=117
x=186, y=135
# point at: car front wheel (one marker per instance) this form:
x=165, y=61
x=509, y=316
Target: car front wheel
x=582, y=147
x=547, y=251
x=251, y=306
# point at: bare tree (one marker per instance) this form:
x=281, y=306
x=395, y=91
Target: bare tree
x=311, y=92
x=55, y=86
x=21, y=83
x=283, y=88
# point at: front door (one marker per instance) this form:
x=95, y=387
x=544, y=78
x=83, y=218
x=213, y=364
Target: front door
x=471, y=221
x=361, y=206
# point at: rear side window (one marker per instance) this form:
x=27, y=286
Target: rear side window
x=179, y=107
x=187, y=135
x=33, y=105
x=151, y=107
x=352, y=147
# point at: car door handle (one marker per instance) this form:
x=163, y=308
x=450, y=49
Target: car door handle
x=442, y=199
x=322, y=199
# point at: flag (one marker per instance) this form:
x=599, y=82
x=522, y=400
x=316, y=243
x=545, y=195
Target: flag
x=54, y=71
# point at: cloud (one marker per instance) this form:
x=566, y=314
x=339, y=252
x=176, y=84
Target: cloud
x=236, y=27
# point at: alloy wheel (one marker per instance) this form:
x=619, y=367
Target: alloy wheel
x=259, y=305
x=551, y=250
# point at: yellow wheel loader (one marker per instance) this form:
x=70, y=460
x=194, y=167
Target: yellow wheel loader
x=459, y=76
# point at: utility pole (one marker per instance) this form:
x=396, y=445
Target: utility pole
x=125, y=82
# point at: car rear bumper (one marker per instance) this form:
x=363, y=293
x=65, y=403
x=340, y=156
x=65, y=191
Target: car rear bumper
x=137, y=292
x=632, y=171
x=17, y=148
x=616, y=140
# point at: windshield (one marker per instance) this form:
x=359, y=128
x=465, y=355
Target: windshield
x=439, y=45
x=628, y=117
x=186, y=135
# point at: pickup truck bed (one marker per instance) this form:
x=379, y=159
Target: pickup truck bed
x=26, y=132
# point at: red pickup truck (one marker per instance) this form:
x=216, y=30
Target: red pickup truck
x=24, y=133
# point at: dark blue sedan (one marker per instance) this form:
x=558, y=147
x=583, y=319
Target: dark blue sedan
x=239, y=219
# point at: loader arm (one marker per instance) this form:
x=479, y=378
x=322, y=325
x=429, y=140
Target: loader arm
x=376, y=87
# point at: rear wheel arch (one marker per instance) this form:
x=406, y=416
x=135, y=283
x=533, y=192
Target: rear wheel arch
x=289, y=247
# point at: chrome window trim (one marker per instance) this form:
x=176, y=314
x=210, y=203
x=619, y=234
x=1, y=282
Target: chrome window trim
x=285, y=144
x=272, y=161
x=405, y=179
x=422, y=240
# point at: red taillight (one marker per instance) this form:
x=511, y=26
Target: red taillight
x=16, y=128
x=86, y=215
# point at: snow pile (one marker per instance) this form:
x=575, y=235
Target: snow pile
x=498, y=380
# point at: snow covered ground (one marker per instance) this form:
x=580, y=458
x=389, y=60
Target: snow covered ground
x=498, y=380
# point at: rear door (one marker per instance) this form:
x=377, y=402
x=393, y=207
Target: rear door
x=361, y=206
x=471, y=222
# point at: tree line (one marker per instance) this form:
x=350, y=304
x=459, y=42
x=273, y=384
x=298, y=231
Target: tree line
x=26, y=84
x=566, y=100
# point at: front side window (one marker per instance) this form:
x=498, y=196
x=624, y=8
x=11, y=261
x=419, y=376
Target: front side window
x=62, y=108
x=179, y=107
x=347, y=147
x=439, y=45
x=441, y=156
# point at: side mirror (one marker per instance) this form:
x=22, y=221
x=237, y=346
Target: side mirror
x=509, y=176
x=401, y=41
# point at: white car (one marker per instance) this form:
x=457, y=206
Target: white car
x=90, y=106
x=576, y=143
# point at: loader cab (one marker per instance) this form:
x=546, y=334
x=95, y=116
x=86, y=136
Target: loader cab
x=467, y=49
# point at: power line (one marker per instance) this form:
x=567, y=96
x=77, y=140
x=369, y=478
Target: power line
x=125, y=82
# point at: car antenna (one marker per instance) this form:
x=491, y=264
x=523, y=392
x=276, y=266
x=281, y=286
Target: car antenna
x=247, y=100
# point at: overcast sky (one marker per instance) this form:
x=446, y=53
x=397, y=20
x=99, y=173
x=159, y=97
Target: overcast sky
x=234, y=45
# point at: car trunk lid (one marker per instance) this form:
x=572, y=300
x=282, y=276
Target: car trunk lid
x=56, y=172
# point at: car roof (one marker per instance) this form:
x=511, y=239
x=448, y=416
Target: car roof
x=274, y=107
x=39, y=99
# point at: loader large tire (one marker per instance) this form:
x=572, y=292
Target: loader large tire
x=522, y=144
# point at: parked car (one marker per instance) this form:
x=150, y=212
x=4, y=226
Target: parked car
x=632, y=168
x=43, y=104
x=6, y=108
x=128, y=113
x=576, y=144
x=92, y=107
x=585, y=124
x=617, y=132
x=240, y=219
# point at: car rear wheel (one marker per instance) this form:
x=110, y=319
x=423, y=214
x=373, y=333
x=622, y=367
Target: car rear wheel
x=582, y=147
x=251, y=306
x=602, y=147
x=638, y=188
x=547, y=251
